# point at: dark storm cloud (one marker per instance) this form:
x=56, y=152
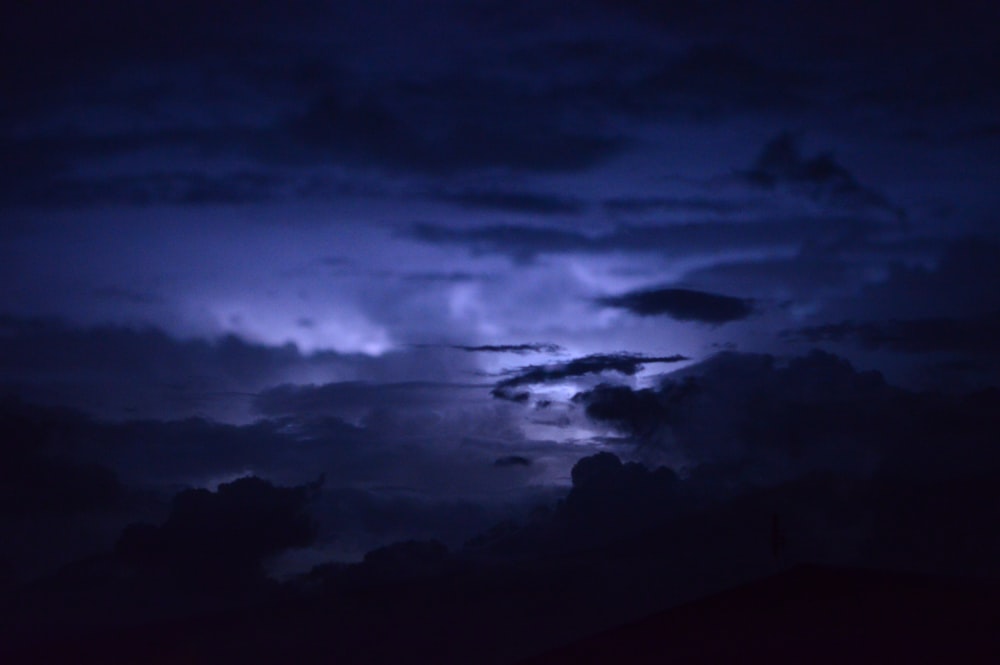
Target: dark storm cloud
x=397, y=125
x=45, y=345
x=623, y=363
x=520, y=242
x=607, y=499
x=960, y=284
x=360, y=123
x=309, y=109
x=214, y=539
x=804, y=275
x=405, y=439
x=377, y=519
x=352, y=397
x=880, y=520
x=200, y=103
x=647, y=204
x=512, y=348
x=937, y=317
x=673, y=14
x=610, y=496
x=524, y=243
x=57, y=462
x=514, y=201
x=821, y=178
x=158, y=29
x=55, y=49
x=164, y=453
x=111, y=368
x=148, y=374
x=368, y=132
x=62, y=460
x=682, y=305
x=594, y=54
x=715, y=80
x=780, y=418
x=304, y=99
x=512, y=461
x=36, y=479
x=69, y=168
x=151, y=189
x=453, y=277
x=645, y=76
x=58, y=502
x=974, y=336
x=989, y=131
x=638, y=412
x=770, y=419
x=118, y=294
x=895, y=30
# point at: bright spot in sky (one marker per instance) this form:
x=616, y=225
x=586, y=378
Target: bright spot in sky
x=340, y=330
x=466, y=305
x=558, y=392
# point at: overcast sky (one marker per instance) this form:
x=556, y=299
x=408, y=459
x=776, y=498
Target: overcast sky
x=431, y=224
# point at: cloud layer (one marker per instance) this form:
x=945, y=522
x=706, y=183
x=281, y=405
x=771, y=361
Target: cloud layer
x=682, y=305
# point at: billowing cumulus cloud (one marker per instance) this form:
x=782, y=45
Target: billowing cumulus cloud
x=682, y=305
x=220, y=539
x=773, y=418
x=604, y=489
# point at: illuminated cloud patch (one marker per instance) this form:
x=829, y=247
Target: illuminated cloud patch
x=622, y=363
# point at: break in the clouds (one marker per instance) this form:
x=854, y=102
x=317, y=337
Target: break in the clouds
x=682, y=305
x=622, y=363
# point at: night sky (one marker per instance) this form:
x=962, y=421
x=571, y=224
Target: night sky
x=439, y=251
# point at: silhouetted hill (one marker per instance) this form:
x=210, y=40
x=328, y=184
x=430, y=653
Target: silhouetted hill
x=811, y=614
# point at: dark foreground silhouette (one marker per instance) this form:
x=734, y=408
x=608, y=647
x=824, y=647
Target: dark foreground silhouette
x=808, y=614
x=811, y=614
